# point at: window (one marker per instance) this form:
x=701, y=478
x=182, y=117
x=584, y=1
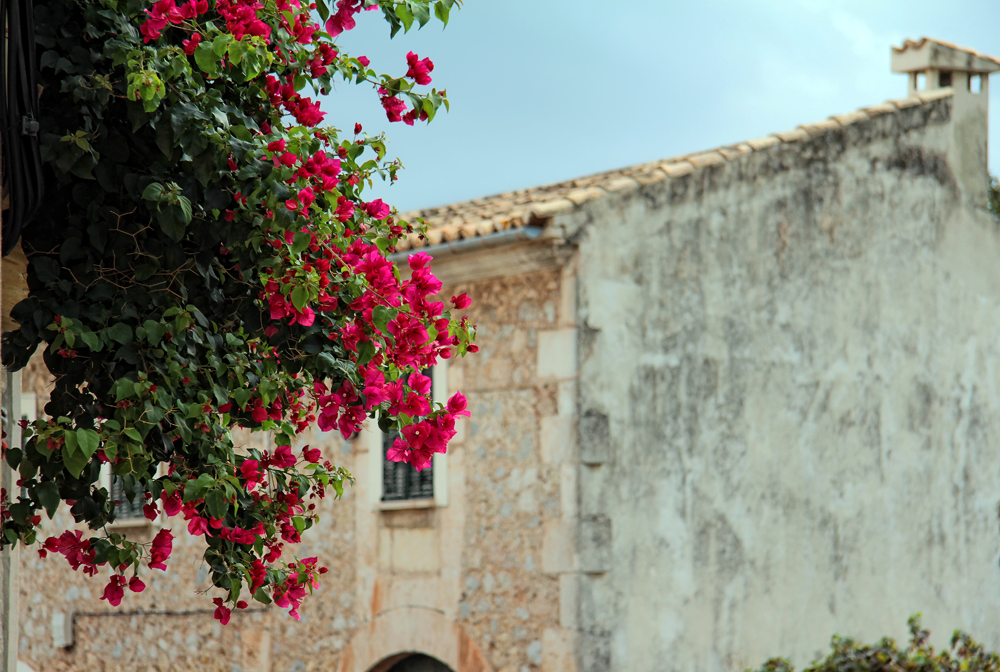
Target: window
x=401, y=480
x=394, y=485
x=125, y=510
x=127, y=514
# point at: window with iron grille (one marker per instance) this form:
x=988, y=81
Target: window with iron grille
x=400, y=480
x=125, y=510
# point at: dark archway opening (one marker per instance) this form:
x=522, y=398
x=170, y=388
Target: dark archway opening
x=418, y=662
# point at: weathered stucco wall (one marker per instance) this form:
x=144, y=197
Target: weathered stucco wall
x=790, y=363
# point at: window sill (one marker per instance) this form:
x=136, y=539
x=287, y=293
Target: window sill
x=132, y=523
x=396, y=505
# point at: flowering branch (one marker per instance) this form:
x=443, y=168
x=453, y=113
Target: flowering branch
x=216, y=266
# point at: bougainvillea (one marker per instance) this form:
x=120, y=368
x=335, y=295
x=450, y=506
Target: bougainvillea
x=206, y=261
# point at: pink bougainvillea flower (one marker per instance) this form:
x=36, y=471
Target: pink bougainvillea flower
x=419, y=70
x=222, y=612
x=377, y=209
x=251, y=471
x=461, y=302
x=197, y=526
x=393, y=107
x=283, y=457
x=160, y=549
x=113, y=592
x=190, y=45
x=457, y=405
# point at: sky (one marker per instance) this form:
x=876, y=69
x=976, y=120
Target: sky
x=548, y=90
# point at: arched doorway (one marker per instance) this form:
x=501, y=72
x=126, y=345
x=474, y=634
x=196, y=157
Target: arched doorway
x=406, y=636
x=418, y=662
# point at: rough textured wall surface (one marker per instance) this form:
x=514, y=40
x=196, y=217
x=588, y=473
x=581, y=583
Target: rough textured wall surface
x=793, y=359
x=401, y=580
x=170, y=626
x=508, y=599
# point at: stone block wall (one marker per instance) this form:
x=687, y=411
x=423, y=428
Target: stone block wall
x=486, y=582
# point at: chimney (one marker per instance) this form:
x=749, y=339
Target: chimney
x=963, y=76
x=932, y=64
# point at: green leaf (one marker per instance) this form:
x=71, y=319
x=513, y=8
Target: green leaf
x=75, y=462
x=120, y=333
x=216, y=503
x=207, y=59
x=92, y=341
x=48, y=496
x=133, y=433
x=185, y=206
x=70, y=443
x=300, y=243
x=221, y=44
x=382, y=315
x=242, y=396
x=242, y=132
x=441, y=11
x=323, y=9
x=405, y=16
x=300, y=297
x=111, y=450
x=88, y=441
x=152, y=192
x=236, y=51
x=197, y=487
x=123, y=388
x=421, y=12
x=14, y=456
x=154, y=331
x=366, y=351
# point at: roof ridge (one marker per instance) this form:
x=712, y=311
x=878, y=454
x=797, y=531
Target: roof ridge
x=916, y=44
x=491, y=214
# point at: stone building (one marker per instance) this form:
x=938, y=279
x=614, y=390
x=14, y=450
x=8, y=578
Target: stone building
x=726, y=405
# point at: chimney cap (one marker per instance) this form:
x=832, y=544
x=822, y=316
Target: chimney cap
x=928, y=53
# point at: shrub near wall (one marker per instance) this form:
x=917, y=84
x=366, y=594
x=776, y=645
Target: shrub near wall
x=965, y=655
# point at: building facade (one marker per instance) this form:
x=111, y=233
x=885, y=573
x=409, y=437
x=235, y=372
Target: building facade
x=725, y=406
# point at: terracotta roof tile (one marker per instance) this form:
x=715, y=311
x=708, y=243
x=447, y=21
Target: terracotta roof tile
x=707, y=159
x=531, y=207
x=651, y=177
x=620, y=184
x=551, y=208
x=677, y=169
x=916, y=44
x=903, y=103
x=764, y=143
x=735, y=152
x=581, y=196
x=820, y=127
x=850, y=117
x=876, y=110
x=793, y=136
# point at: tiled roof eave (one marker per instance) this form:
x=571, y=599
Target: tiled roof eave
x=535, y=206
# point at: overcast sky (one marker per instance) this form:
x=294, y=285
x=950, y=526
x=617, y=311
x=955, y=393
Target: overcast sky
x=548, y=90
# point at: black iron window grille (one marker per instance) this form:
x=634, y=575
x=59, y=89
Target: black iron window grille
x=125, y=510
x=400, y=480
